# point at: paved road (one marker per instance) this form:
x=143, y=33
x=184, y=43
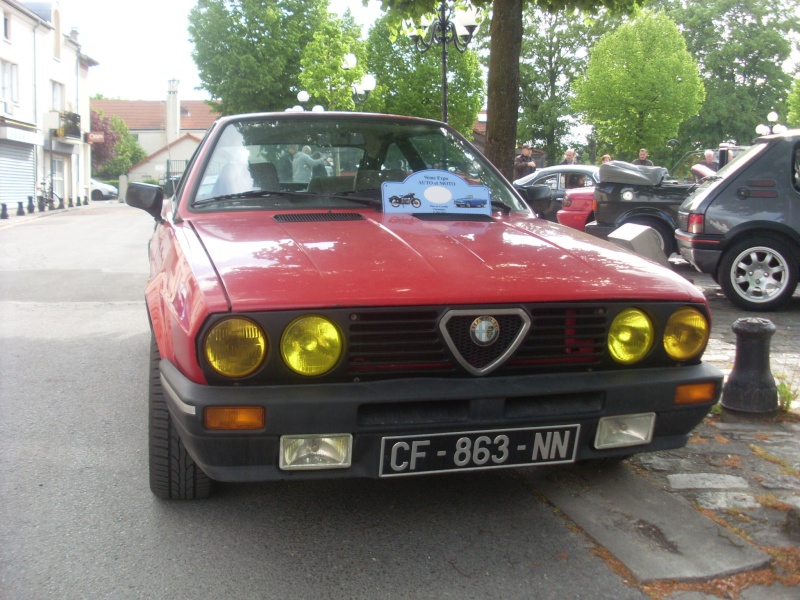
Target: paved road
x=77, y=519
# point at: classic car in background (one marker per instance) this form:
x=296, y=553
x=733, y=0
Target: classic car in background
x=308, y=330
x=650, y=196
x=559, y=178
x=743, y=224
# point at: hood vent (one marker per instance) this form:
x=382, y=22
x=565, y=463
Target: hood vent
x=315, y=217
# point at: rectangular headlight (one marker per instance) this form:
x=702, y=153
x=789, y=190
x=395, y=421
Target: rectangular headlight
x=625, y=430
x=328, y=451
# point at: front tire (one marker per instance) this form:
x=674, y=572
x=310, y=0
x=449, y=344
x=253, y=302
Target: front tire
x=758, y=274
x=173, y=472
x=97, y=195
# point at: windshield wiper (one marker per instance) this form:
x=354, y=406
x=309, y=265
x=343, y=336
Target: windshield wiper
x=354, y=196
x=249, y=195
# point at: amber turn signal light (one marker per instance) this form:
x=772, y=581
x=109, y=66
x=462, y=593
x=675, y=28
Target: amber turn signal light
x=234, y=418
x=696, y=393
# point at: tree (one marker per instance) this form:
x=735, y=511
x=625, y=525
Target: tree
x=411, y=81
x=127, y=152
x=105, y=151
x=640, y=85
x=743, y=49
x=505, y=48
x=323, y=77
x=793, y=104
x=248, y=52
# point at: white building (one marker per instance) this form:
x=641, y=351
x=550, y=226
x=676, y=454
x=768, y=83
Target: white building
x=44, y=104
x=168, y=130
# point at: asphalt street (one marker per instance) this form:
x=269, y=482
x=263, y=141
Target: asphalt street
x=710, y=519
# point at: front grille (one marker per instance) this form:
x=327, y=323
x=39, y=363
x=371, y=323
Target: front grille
x=410, y=342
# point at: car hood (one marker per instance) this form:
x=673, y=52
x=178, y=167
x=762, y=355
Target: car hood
x=382, y=259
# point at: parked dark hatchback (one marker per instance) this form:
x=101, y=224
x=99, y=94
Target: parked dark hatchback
x=743, y=225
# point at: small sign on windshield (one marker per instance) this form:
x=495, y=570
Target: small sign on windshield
x=434, y=191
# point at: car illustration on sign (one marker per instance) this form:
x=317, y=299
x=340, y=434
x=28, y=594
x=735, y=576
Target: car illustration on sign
x=310, y=329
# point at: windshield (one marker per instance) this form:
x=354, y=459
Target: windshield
x=342, y=161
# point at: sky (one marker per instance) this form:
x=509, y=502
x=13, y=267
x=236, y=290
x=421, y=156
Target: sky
x=142, y=45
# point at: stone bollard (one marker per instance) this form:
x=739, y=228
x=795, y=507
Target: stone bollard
x=20, y=210
x=3, y=211
x=30, y=206
x=750, y=388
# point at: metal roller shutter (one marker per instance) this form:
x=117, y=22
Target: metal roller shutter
x=17, y=180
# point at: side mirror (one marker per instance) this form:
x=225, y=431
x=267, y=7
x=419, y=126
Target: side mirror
x=147, y=196
x=538, y=197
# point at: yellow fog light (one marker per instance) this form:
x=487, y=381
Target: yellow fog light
x=329, y=451
x=630, y=336
x=234, y=418
x=686, y=334
x=625, y=430
x=235, y=347
x=696, y=393
x=311, y=345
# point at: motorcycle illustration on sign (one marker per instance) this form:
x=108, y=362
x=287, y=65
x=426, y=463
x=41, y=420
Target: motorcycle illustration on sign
x=405, y=199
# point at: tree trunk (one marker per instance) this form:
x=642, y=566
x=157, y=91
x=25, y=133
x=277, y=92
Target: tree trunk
x=503, y=84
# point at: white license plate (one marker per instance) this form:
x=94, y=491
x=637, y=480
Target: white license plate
x=476, y=450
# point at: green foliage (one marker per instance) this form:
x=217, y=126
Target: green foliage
x=640, y=85
x=411, y=81
x=248, y=52
x=742, y=48
x=322, y=76
x=127, y=152
x=554, y=54
x=793, y=104
x=102, y=153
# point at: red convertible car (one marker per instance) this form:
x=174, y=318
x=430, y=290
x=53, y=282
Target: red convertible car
x=312, y=329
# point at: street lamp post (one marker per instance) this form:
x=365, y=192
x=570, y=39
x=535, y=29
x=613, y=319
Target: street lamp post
x=446, y=28
x=773, y=127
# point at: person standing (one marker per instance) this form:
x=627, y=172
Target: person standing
x=643, y=160
x=710, y=163
x=569, y=157
x=303, y=165
x=523, y=163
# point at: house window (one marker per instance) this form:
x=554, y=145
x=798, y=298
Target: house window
x=58, y=176
x=56, y=35
x=9, y=86
x=58, y=96
x=6, y=26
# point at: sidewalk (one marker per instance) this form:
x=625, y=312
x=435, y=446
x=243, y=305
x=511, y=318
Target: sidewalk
x=16, y=219
x=741, y=472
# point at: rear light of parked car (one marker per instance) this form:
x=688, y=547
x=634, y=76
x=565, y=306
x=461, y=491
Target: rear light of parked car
x=567, y=201
x=696, y=223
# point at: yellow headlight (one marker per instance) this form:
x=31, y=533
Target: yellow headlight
x=630, y=336
x=686, y=334
x=235, y=347
x=311, y=345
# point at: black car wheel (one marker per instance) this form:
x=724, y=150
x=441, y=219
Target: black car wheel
x=758, y=274
x=97, y=195
x=666, y=236
x=173, y=473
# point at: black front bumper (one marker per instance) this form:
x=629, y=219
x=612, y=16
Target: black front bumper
x=369, y=411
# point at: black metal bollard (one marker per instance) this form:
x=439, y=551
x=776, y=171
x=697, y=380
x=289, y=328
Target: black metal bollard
x=69, y=202
x=30, y=206
x=3, y=211
x=20, y=210
x=86, y=200
x=60, y=203
x=750, y=387
x=41, y=202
